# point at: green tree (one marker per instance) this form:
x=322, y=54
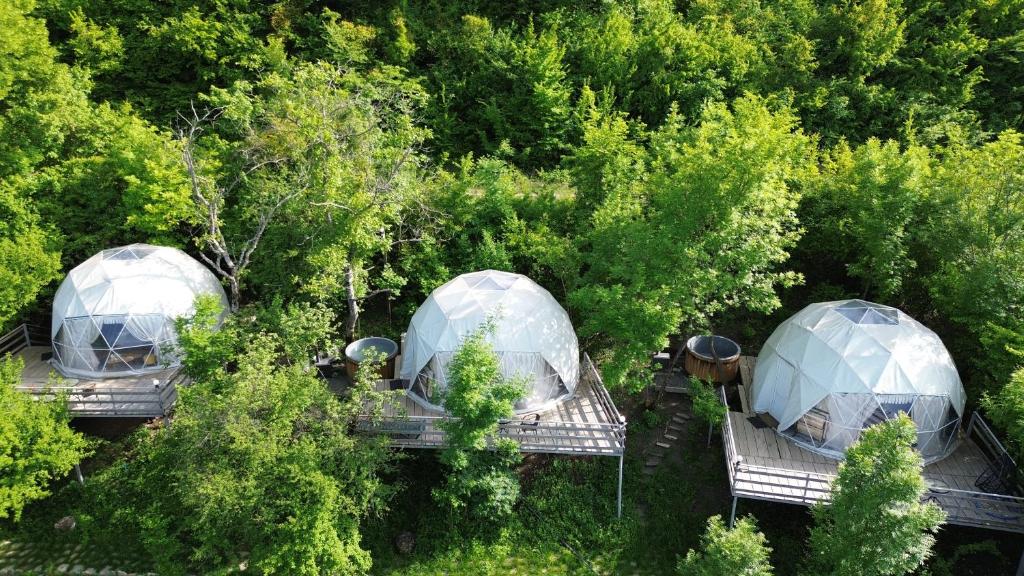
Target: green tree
x=29, y=259
x=501, y=91
x=316, y=163
x=494, y=217
x=972, y=254
x=260, y=468
x=739, y=551
x=698, y=227
x=876, y=523
x=481, y=467
x=1006, y=408
x=861, y=210
x=95, y=172
x=37, y=446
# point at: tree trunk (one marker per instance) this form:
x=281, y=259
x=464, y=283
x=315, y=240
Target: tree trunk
x=352, y=300
x=236, y=296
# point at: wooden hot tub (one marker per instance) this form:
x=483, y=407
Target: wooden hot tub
x=700, y=358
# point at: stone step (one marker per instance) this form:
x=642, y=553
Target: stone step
x=663, y=444
x=681, y=418
x=671, y=437
x=651, y=462
x=675, y=427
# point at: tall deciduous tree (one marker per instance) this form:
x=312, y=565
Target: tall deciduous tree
x=739, y=551
x=862, y=209
x=702, y=230
x=74, y=175
x=322, y=166
x=29, y=259
x=36, y=444
x=876, y=523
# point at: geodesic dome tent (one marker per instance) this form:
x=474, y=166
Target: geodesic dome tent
x=114, y=314
x=533, y=338
x=836, y=368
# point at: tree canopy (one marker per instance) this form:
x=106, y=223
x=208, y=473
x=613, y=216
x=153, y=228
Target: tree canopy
x=662, y=168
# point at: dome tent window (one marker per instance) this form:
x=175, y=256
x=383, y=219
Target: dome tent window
x=836, y=368
x=533, y=338
x=114, y=314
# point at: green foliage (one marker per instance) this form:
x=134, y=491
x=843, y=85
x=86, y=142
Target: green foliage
x=702, y=230
x=706, y=404
x=1006, y=408
x=77, y=162
x=875, y=523
x=313, y=156
x=36, y=444
x=501, y=90
x=481, y=479
x=741, y=550
x=206, y=346
x=861, y=209
x=29, y=259
x=495, y=217
x=260, y=468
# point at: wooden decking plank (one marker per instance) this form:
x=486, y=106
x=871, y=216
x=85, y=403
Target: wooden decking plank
x=743, y=398
x=747, y=369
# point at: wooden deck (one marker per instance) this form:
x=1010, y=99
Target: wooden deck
x=586, y=424
x=766, y=466
x=146, y=396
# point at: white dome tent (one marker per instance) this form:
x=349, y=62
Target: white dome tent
x=836, y=368
x=533, y=337
x=114, y=314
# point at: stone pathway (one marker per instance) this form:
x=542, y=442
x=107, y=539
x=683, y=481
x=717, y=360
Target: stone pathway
x=662, y=445
x=37, y=559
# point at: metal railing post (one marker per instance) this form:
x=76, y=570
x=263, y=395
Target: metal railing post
x=618, y=506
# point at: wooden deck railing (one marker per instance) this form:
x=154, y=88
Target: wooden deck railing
x=964, y=507
x=732, y=457
x=19, y=338
x=92, y=399
x=607, y=437
x=87, y=398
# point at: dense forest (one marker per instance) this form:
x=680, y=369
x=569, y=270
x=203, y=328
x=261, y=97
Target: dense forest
x=662, y=168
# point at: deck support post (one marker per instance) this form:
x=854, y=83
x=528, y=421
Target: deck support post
x=618, y=502
x=78, y=475
x=732, y=515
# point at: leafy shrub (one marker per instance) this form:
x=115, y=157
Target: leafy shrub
x=706, y=404
x=741, y=550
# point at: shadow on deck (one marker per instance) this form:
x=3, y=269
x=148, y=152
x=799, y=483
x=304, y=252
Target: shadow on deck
x=765, y=466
